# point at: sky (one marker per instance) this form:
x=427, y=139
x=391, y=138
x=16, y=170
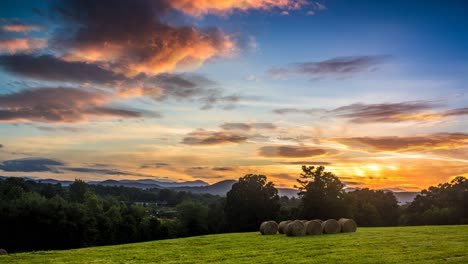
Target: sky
x=181, y=90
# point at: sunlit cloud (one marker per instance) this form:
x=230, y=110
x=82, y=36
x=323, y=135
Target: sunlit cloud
x=202, y=7
x=204, y=137
x=58, y=105
x=427, y=142
x=291, y=151
x=146, y=45
x=20, y=28
x=17, y=45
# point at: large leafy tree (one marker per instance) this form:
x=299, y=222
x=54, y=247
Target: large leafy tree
x=446, y=203
x=374, y=208
x=322, y=194
x=251, y=201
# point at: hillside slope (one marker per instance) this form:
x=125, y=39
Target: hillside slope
x=426, y=244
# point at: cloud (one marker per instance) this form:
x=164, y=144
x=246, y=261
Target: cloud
x=20, y=28
x=426, y=142
x=17, y=45
x=155, y=165
x=247, y=126
x=58, y=105
x=160, y=87
x=97, y=171
x=336, y=67
x=204, y=137
x=291, y=151
x=202, y=173
x=199, y=8
x=284, y=111
x=385, y=112
x=192, y=87
x=223, y=169
x=130, y=37
x=381, y=113
x=60, y=128
x=50, y=68
x=31, y=165
x=305, y=162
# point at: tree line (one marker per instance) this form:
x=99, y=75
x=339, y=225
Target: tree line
x=37, y=216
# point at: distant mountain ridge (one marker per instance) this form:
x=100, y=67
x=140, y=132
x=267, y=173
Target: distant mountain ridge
x=197, y=186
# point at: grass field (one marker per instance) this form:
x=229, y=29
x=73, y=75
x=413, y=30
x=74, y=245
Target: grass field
x=426, y=244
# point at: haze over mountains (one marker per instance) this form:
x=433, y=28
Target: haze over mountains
x=198, y=186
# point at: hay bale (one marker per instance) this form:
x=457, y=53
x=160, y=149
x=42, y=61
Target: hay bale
x=269, y=228
x=331, y=226
x=282, y=226
x=3, y=252
x=313, y=227
x=304, y=221
x=319, y=220
x=295, y=228
x=347, y=225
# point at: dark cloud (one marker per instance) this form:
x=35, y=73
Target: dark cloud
x=193, y=87
x=204, y=137
x=131, y=38
x=50, y=68
x=97, y=171
x=385, y=112
x=381, y=113
x=456, y=112
x=223, y=169
x=247, y=126
x=31, y=165
x=336, y=67
x=427, y=142
x=156, y=165
x=304, y=162
x=58, y=105
x=291, y=151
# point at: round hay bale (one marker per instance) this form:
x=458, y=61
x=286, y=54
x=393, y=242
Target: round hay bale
x=295, y=228
x=304, y=221
x=331, y=226
x=319, y=220
x=282, y=226
x=313, y=227
x=3, y=252
x=269, y=228
x=347, y=225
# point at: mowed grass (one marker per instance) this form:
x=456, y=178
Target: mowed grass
x=424, y=244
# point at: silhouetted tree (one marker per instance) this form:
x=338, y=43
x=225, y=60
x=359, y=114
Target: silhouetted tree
x=322, y=194
x=193, y=217
x=251, y=201
x=445, y=204
x=374, y=208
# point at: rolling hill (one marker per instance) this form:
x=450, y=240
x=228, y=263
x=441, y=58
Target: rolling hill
x=423, y=244
x=198, y=186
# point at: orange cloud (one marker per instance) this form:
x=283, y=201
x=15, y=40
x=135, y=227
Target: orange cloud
x=202, y=7
x=291, y=151
x=204, y=137
x=427, y=142
x=12, y=46
x=21, y=28
x=58, y=105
